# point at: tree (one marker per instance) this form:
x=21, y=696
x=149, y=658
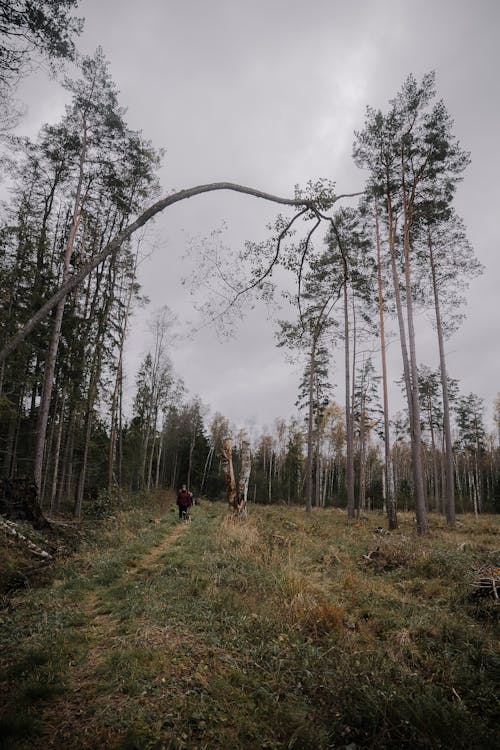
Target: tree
x=31, y=29
x=414, y=160
x=219, y=428
x=432, y=399
x=312, y=205
x=27, y=27
x=352, y=271
x=390, y=495
x=154, y=384
x=365, y=406
x=471, y=439
x=236, y=490
x=452, y=265
x=308, y=335
x=99, y=195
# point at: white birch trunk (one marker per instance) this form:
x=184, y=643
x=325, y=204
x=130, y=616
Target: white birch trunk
x=244, y=478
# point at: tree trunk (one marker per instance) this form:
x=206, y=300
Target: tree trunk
x=362, y=458
x=348, y=413
x=50, y=364
x=415, y=426
x=310, y=420
x=449, y=499
x=435, y=468
x=192, y=442
x=158, y=460
x=244, y=478
x=206, y=468
x=318, y=466
x=390, y=498
x=57, y=454
x=227, y=467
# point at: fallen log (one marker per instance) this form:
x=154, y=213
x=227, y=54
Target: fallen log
x=10, y=528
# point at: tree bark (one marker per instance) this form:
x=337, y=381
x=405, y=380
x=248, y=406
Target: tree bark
x=348, y=413
x=57, y=454
x=244, y=478
x=415, y=426
x=449, y=499
x=227, y=467
x=388, y=473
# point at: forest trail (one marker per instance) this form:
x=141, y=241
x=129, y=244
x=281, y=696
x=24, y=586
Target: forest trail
x=105, y=635
x=90, y=630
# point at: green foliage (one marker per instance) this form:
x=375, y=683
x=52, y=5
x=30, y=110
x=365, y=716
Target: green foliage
x=45, y=26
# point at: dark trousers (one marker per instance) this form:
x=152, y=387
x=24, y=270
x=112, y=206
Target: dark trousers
x=183, y=511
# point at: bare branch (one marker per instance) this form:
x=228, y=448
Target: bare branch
x=266, y=273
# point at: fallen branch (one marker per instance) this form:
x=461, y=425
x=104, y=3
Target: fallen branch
x=10, y=528
x=373, y=555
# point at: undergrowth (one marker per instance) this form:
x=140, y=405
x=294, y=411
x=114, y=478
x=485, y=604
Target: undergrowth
x=285, y=630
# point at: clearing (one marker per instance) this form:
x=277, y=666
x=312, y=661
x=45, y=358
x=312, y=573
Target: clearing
x=285, y=630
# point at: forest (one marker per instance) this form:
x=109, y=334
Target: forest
x=70, y=286
x=334, y=585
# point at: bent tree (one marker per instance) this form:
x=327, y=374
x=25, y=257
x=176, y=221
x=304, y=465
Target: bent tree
x=312, y=205
x=309, y=206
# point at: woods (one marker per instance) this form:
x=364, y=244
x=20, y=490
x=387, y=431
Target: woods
x=70, y=286
x=249, y=449
x=79, y=192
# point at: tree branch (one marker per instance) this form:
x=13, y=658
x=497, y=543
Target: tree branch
x=115, y=244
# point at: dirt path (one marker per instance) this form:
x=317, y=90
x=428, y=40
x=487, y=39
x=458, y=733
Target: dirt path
x=102, y=624
x=106, y=637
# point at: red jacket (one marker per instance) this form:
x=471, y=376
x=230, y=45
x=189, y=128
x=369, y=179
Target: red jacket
x=184, y=499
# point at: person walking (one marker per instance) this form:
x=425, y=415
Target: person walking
x=184, y=501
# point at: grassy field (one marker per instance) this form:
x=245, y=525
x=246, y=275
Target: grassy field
x=276, y=632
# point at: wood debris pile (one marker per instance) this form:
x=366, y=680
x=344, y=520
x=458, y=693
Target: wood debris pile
x=487, y=581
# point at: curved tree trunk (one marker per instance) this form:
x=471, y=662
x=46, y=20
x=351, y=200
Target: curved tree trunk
x=120, y=238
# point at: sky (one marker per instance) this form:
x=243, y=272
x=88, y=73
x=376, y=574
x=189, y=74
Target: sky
x=268, y=94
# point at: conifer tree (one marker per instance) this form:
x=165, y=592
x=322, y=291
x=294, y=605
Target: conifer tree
x=413, y=159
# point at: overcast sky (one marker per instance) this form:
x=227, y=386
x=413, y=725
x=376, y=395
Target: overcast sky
x=268, y=93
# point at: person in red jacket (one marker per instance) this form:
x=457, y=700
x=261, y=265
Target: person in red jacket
x=184, y=501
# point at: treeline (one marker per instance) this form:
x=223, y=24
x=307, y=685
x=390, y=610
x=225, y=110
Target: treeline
x=172, y=439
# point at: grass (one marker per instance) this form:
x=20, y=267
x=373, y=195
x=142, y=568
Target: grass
x=276, y=632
